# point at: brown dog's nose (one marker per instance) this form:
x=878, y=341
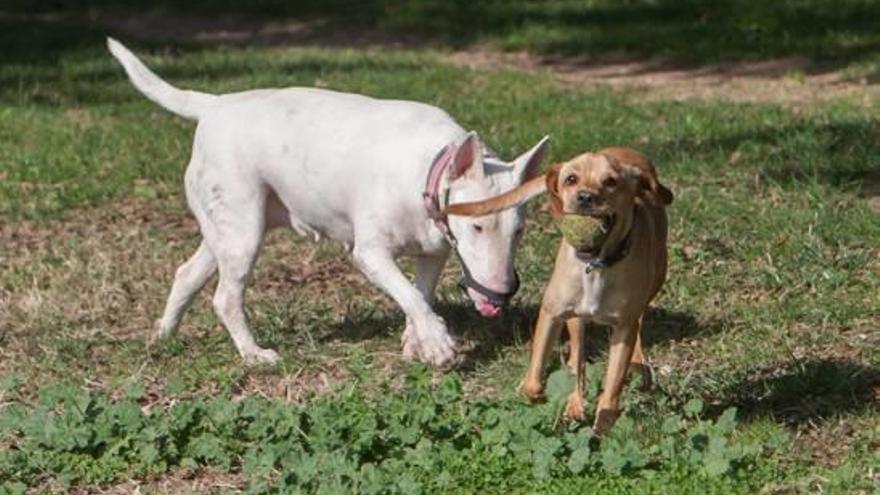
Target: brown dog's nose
x=585, y=199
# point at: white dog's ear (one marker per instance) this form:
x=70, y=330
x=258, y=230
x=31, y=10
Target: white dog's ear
x=468, y=160
x=526, y=166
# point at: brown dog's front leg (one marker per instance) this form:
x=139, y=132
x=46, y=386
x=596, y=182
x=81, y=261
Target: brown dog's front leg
x=574, y=408
x=623, y=339
x=639, y=363
x=546, y=334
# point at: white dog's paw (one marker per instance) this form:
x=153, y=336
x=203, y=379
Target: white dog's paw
x=161, y=330
x=410, y=343
x=260, y=356
x=435, y=345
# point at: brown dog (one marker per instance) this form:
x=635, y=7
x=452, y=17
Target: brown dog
x=613, y=287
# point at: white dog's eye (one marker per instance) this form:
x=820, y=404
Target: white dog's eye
x=478, y=228
x=518, y=232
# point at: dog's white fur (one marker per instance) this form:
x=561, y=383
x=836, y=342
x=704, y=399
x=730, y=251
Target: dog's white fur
x=339, y=165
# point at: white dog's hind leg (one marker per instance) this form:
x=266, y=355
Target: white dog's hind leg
x=231, y=212
x=235, y=269
x=190, y=277
x=428, y=270
x=433, y=342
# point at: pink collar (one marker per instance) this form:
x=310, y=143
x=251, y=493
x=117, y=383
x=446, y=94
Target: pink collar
x=431, y=196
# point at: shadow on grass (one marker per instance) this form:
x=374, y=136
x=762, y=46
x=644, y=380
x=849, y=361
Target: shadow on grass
x=483, y=339
x=675, y=31
x=804, y=392
x=659, y=325
x=32, y=54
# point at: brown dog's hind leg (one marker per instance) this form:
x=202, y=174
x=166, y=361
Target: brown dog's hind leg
x=639, y=364
x=546, y=334
x=623, y=339
x=574, y=408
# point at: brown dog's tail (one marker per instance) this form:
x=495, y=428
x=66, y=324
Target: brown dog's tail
x=510, y=199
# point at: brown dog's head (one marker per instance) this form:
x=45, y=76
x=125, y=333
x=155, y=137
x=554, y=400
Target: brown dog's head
x=600, y=184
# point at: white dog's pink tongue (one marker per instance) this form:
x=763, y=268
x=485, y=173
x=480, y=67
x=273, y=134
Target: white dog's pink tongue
x=488, y=309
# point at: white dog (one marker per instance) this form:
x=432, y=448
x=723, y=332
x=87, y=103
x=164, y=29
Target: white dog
x=366, y=172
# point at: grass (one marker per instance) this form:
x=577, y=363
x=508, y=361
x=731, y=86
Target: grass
x=770, y=308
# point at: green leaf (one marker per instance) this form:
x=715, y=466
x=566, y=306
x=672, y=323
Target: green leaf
x=134, y=391
x=210, y=448
x=544, y=456
x=579, y=445
x=408, y=484
x=371, y=480
x=612, y=460
x=624, y=426
x=727, y=421
x=716, y=466
x=672, y=424
x=149, y=454
x=449, y=390
x=497, y=436
x=693, y=408
x=13, y=488
x=560, y=384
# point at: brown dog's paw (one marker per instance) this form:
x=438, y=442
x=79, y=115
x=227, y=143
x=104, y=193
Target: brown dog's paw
x=574, y=408
x=534, y=393
x=646, y=373
x=605, y=419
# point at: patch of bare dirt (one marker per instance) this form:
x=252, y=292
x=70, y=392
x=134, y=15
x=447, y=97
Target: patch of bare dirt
x=202, y=480
x=793, y=81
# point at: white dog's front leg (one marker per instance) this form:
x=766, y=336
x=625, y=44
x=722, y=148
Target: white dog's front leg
x=428, y=270
x=432, y=342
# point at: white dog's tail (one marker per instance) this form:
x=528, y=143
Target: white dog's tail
x=188, y=104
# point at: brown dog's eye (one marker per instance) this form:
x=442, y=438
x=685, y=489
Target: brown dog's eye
x=609, y=182
x=571, y=180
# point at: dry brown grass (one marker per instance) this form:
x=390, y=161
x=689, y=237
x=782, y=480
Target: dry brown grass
x=102, y=274
x=80, y=295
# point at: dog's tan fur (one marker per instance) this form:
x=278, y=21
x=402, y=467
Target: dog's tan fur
x=623, y=183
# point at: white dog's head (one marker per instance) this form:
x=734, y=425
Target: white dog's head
x=486, y=245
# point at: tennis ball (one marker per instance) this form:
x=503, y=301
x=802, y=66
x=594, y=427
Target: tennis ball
x=583, y=232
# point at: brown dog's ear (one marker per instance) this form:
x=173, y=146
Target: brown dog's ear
x=643, y=170
x=648, y=183
x=551, y=179
x=664, y=193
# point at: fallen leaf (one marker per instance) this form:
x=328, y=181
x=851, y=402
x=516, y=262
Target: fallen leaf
x=734, y=157
x=688, y=252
